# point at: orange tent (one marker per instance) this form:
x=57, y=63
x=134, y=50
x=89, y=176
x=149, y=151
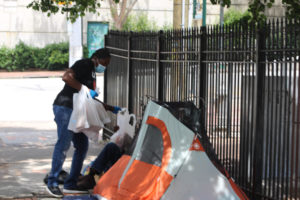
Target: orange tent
x=168, y=162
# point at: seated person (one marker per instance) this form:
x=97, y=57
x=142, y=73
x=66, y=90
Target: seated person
x=107, y=157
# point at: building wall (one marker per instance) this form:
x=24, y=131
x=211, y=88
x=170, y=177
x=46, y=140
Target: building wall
x=19, y=23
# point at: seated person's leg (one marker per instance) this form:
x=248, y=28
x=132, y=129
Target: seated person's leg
x=107, y=157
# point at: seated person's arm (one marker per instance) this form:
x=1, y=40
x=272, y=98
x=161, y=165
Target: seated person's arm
x=106, y=106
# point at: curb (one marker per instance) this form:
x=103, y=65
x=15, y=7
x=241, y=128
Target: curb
x=31, y=74
x=33, y=196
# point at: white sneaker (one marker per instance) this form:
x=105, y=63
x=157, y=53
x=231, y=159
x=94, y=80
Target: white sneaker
x=75, y=191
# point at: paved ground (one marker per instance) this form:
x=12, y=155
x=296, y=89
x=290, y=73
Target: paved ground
x=25, y=158
x=28, y=133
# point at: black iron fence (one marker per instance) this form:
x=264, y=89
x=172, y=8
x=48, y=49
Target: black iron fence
x=246, y=76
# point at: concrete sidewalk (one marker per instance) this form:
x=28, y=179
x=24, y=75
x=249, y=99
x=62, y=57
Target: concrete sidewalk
x=25, y=158
x=27, y=136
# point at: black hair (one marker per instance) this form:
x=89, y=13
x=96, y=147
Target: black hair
x=101, y=53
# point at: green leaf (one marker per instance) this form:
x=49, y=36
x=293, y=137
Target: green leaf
x=269, y=5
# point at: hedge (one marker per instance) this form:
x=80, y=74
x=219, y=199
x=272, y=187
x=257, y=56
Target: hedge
x=24, y=57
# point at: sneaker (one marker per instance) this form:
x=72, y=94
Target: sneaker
x=54, y=191
x=46, y=179
x=87, y=182
x=75, y=190
x=61, y=177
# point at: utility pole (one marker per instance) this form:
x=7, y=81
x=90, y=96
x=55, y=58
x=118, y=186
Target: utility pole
x=221, y=22
x=204, y=13
x=221, y=13
x=190, y=8
x=182, y=13
x=177, y=14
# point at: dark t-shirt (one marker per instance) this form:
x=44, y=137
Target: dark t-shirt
x=84, y=73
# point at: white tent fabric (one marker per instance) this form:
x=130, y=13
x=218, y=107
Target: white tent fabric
x=198, y=177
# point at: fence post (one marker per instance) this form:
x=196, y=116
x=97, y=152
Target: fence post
x=129, y=75
x=159, y=70
x=105, y=74
x=203, y=71
x=259, y=117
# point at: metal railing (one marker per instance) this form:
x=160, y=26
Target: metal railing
x=246, y=76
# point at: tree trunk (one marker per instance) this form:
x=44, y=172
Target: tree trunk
x=120, y=17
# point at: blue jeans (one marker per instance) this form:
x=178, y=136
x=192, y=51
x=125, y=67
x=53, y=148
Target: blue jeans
x=108, y=156
x=80, y=142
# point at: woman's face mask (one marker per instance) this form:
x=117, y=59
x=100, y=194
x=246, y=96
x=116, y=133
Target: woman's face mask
x=100, y=68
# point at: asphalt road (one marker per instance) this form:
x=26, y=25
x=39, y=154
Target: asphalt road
x=28, y=135
x=30, y=99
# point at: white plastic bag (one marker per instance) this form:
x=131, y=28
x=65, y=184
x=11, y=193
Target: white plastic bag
x=78, y=119
x=126, y=123
x=88, y=115
x=102, y=112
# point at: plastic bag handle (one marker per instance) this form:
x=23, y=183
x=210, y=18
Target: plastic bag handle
x=86, y=90
x=134, y=119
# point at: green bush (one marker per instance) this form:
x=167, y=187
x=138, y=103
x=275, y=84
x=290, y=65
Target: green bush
x=139, y=23
x=167, y=26
x=40, y=58
x=7, y=59
x=58, y=56
x=23, y=56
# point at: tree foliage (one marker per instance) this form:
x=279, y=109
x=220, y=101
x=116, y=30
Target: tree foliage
x=120, y=10
x=73, y=8
x=224, y=3
x=257, y=8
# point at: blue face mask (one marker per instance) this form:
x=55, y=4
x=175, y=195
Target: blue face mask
x=100, y=68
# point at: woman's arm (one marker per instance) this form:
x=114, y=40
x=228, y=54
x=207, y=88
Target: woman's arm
x=69, y=78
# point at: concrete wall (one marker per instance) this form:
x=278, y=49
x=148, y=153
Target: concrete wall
x=19, y=23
